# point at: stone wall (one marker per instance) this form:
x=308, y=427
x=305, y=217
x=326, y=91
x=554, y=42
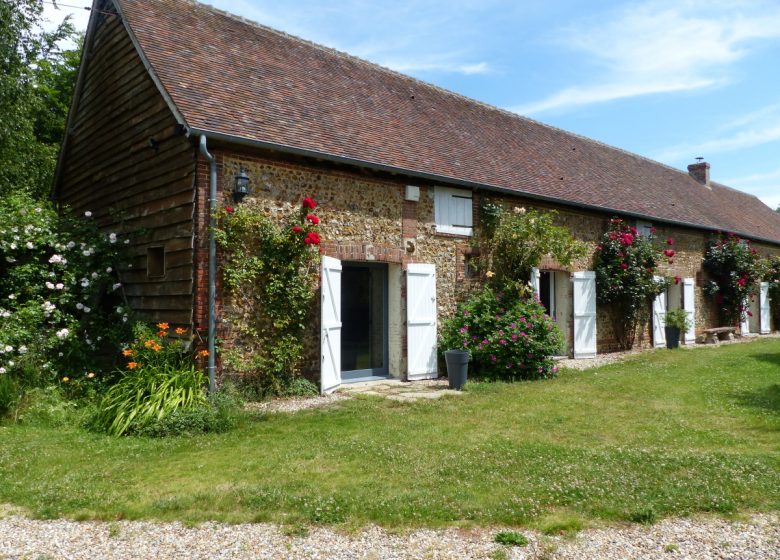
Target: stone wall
x=365, y=218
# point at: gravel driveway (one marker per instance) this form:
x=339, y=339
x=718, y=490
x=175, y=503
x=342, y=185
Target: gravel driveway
x=758, y=537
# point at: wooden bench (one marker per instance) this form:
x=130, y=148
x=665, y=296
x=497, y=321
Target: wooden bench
x=712, y=336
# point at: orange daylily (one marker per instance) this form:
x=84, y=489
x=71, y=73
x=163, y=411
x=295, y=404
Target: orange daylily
x=132, y=365
x=162, y=333
x=127, y=352
x=203, y=353
x=162, y=326
x=180, y=330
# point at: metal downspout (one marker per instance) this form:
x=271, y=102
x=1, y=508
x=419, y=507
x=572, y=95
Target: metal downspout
x=212, y=336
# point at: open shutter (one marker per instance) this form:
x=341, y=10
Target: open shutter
x=763, y=300
x=689, y=304
x=584, y=288
x=744, y=323
x=421, y=321
x=330, y=334
x=535, y=276
x=659, y=318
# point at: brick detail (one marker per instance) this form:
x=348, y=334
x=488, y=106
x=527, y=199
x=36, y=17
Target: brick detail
x=201, y=261
x=365, y=252
x=409, y=219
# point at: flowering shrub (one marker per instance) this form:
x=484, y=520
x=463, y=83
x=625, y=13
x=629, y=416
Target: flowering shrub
x=518, y=239
x=59, y=300
x=506, y=336
x=626, y=265
x=159, y=379
x=734, y=269
x=270, y=272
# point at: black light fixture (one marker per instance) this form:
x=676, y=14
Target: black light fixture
x=241, y=188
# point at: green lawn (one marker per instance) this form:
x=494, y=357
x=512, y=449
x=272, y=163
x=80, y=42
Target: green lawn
x=665, y=433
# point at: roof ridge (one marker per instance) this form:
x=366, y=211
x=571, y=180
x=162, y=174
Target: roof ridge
x=484, y=104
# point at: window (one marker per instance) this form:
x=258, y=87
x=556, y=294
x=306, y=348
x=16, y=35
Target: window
x=453, y=211
x=155, y=262
x=644, y=228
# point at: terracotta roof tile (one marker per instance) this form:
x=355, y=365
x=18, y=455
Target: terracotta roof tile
x=239, y=78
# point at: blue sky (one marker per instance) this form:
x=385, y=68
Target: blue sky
x=669, y=80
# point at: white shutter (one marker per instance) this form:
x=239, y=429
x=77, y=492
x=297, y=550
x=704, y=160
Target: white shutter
x=744, y=324
x=659, y=318
x=535, y=275
x=689, y=304
x=330, y=333
x=584, y=288
x=453, y=210
x=421, y=321
x=763, y=300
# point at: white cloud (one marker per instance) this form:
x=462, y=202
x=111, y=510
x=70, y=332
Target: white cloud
x=405, y=36
x=765, y=186
x=747, y=131
x=432, y=64
x=660, y=47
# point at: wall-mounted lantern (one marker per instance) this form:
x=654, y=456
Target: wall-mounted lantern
x=241, y=188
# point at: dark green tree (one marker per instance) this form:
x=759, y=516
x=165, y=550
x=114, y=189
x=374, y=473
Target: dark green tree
x=37, y=79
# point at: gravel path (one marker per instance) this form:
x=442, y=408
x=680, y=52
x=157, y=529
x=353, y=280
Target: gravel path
x=701, y=539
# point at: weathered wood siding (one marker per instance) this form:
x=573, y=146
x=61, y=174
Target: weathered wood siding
x=111, y=169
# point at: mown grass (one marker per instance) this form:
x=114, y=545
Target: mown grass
x=665, y=433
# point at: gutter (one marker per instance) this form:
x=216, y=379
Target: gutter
x=212, y=297
x=241, y=140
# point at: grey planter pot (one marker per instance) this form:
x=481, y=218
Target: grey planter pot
x=672, y=337
x=457, y=367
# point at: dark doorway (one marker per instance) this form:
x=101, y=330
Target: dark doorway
x=364, y=320
x=546, y=292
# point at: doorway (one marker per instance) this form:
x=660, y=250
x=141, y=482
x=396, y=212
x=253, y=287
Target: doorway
x=556, y=297
x=364, y=305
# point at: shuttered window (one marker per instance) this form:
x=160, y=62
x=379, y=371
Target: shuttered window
x=453, y=211
x=644, y=229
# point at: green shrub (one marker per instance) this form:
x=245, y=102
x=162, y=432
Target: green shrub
x=218, y=414
x=8, y=394
x=517, y=241
x=148, y=395
x=161, y=379
x=46, y=407
x=510, y=538
x=508, y=337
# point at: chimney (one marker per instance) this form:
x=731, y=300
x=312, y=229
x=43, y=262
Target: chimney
x=700, y=171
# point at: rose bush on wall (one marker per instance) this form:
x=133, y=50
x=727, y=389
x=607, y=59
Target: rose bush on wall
x=270, y=271
x=734, y=269
x=626, y=265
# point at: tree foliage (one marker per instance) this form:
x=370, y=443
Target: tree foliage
x=517, y=240
x=36, y=86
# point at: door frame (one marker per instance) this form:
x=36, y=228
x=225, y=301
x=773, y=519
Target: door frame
x=356, y=375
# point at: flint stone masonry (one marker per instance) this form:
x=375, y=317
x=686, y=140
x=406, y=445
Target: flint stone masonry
x=364, y=217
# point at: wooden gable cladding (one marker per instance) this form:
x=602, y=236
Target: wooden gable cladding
x=126, y=163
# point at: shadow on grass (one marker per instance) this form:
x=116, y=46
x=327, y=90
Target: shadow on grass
x=765, y=398
x=773, y=358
